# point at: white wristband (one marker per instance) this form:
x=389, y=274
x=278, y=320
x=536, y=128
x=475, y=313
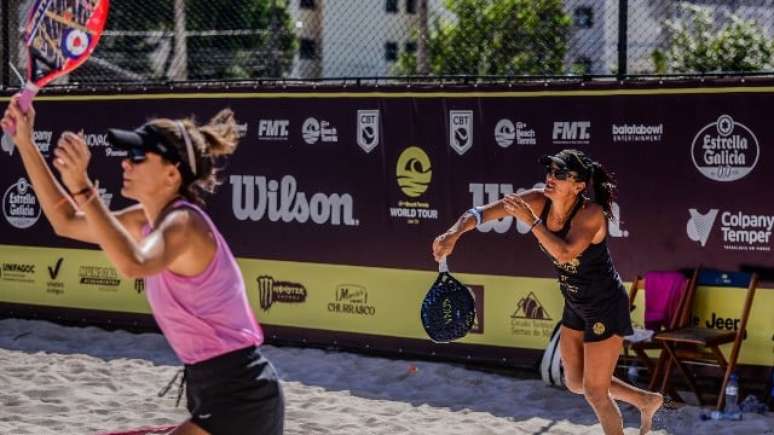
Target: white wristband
x=478, y=213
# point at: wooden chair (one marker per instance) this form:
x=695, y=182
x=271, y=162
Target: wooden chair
x=679, y=318
x=690, y=345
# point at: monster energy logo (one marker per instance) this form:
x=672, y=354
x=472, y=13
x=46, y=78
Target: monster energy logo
x=271, y=291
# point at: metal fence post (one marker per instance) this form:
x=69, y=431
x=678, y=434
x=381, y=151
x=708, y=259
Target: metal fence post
x=623, y=27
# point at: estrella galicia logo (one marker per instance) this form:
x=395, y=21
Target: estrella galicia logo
x=413, y=171
x=20, y=205
x=725, y=150
x=700, y=225
x=271, y=291
x=368, y=129
x=461, y=130
x=53, y=272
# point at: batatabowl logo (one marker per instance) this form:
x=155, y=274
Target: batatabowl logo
x=637, y=132
x=739, y=231
x=256, y=197
x=368, y=129
x=20, y=205
x=507, y=132
x=461, y=130
x=413, y=172
x=725, y=150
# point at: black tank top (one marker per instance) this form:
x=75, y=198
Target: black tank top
x=589, y=277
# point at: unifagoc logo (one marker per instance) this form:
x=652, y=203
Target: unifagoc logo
x=700, y=225
x=413, y=171
x=368, y=129
x=461, y=130
x=725, y=150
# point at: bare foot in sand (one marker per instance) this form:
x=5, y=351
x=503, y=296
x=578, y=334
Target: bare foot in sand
x=653, y=403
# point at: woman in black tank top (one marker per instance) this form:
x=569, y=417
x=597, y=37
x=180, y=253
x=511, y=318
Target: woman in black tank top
x=571, y=230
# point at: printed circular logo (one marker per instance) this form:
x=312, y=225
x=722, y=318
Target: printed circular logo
x=725, y=150
x=599, y=328
x=505, y=133
x=311, y=130
x=413, y=171
x=75, y=43
x=20, y=205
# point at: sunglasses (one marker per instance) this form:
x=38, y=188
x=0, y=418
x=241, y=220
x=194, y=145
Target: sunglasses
x=559, y=174
x=137, y=155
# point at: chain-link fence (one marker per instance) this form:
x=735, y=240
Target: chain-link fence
x=153, y=41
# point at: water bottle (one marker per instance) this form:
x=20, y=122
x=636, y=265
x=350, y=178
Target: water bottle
x=732, y=396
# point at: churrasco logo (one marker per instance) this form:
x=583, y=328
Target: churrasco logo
x=637, y=132
x=414, y=174
x=280, y=201
x=368, y=129
x=20, y=205
x=572, y=133
x=313, y=131
x=351, y=299
x=725, y=150
x=506, y=132
x=285, y=292
x=484, y=193
x=461, y=130
x=273, y=129
x=739, y=231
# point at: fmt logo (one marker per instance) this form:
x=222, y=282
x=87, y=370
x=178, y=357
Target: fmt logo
x=273, y=129
x=575, y=132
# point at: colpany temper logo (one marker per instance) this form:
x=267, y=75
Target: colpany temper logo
x=413, y=171
x=368, y=129
x=725, y=150
x=253, y=197
x=20, y=205
x=271, y=292
x=700, y=225
x=461, y=130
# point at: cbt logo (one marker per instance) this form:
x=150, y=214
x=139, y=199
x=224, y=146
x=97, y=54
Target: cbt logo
x=20, y=205
x=273, y=129
x=461, y=130
x=725, y=150
x=313, y=131
x=572, y=133
x=368, y=129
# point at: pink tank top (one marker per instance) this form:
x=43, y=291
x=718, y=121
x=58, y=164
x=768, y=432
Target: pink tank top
x=206, y=315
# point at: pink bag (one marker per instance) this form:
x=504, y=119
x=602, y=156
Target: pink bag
x=662, y=294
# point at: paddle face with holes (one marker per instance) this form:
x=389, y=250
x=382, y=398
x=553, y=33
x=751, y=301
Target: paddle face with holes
x=448, y=310
x=59, y=36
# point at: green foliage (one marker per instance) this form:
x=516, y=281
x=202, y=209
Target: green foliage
x=496, y=37
x=697, y=45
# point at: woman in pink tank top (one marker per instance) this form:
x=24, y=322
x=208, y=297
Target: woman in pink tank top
x=194, y=286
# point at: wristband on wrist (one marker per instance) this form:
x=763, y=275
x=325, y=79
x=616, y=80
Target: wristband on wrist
x=536, y=223
x=83, y=191
x=478, y=214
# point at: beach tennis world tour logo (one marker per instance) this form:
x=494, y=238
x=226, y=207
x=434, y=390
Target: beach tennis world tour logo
x=20, y=205
x=414, y=173
x=739, y=231
x=725, y=150
x=256, y=197
x=530, y=318
x=271, y=292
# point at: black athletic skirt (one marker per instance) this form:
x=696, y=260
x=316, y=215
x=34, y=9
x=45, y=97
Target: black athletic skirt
x=235, y=393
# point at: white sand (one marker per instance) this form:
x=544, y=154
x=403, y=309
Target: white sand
x=67, y=380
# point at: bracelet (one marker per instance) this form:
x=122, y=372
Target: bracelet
x=478, y=213
x=536, y=223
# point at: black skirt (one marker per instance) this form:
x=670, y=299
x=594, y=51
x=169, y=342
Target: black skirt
x=235, y=393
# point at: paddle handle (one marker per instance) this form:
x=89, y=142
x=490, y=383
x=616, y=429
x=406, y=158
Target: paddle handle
x=25, y=102
x=443, y=266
